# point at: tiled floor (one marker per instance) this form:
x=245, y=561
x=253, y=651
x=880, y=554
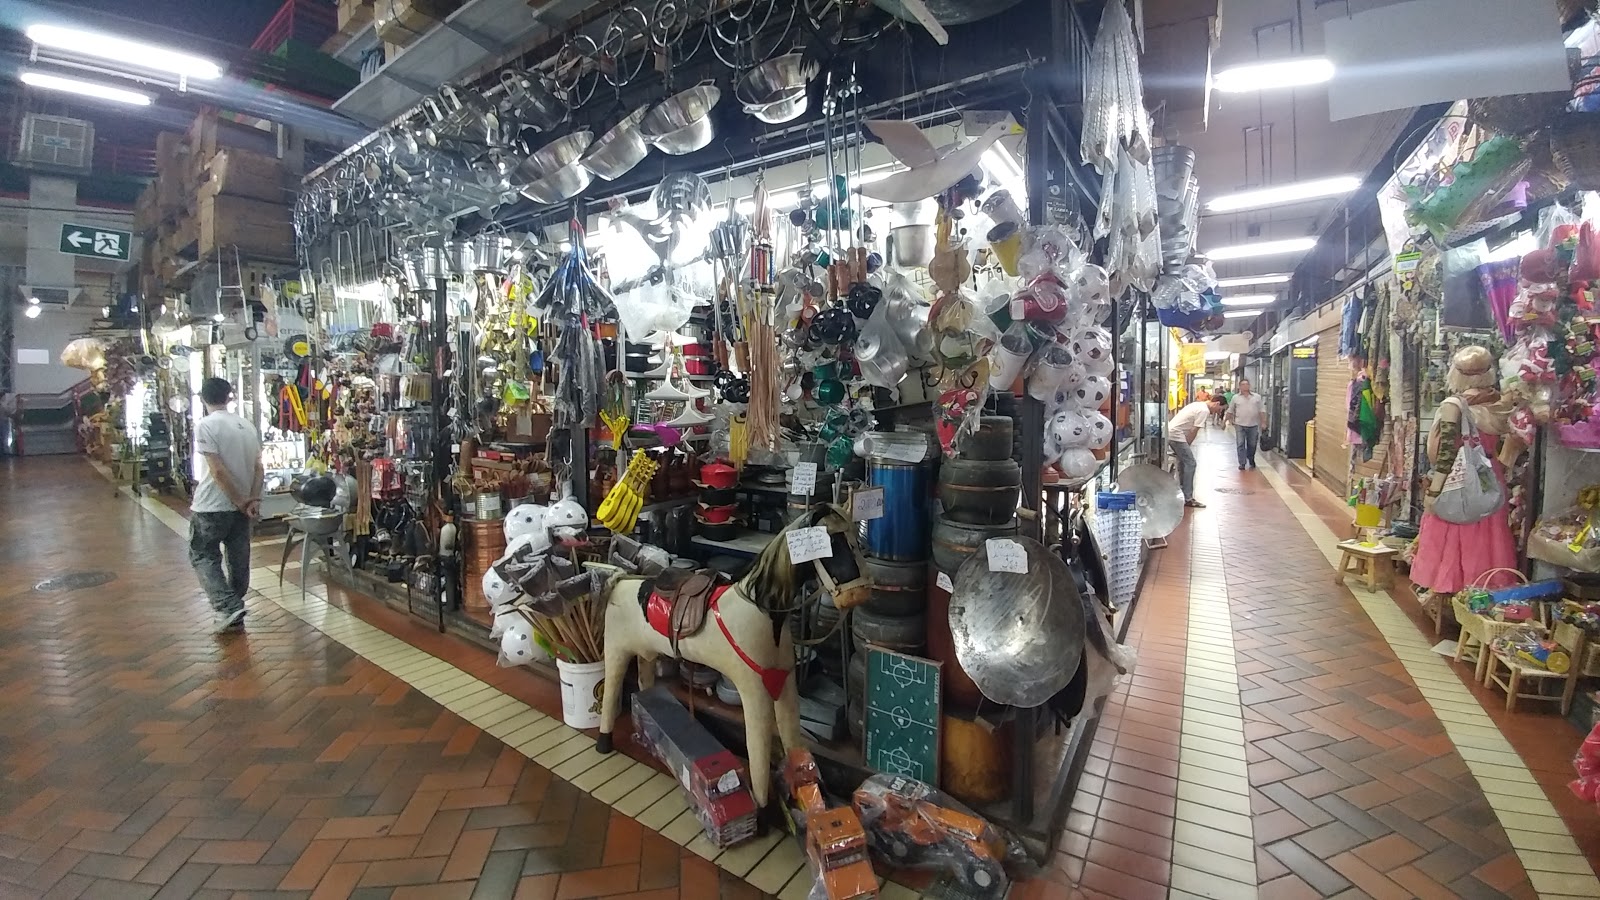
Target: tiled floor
x=1281, y=737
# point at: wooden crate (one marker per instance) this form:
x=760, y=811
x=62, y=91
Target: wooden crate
x=354, y=14
x=243, y=173
x=210, y=133
x=259, y=229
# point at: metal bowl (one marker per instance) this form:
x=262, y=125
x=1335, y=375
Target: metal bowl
x=553, y=172
x=681, y=123
x=619, y=149
x=775, y=91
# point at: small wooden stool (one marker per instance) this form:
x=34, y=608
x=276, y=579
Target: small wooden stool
x=1374, y=565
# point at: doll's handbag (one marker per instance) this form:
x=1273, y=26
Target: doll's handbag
x=1471, y=491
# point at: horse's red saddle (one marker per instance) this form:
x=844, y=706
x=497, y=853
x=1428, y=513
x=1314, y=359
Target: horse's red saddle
x=677, y=602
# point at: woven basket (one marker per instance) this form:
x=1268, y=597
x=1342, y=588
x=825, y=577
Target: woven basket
x=1518, y=114
x=1483, y=628
x=1567, y=635
x=1575, y=146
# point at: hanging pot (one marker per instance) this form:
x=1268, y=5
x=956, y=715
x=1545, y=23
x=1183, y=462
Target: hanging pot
x=489, y=251
x=719, y=475
x=459, y=256
x=682, y=123
x=619, y=149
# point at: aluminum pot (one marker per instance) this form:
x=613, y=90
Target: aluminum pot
x=913, y=245
x=775, y=91
x=459, y=256
x=619, y=149
x=682, y=123
x=435, y=264
x=490, y=250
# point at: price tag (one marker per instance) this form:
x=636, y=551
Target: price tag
x=905, y=450
x=1006, y=555
x=806, y=544
x=867, y=504
x=944, y=583
x=455, y=449
x=805, y=479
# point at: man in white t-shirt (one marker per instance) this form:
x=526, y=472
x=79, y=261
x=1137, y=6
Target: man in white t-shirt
x=226, y=500
x=1248, y=413
x=1182, y=429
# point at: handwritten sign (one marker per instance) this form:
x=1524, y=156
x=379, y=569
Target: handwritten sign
x=1006, y=555
x=807, y=544
x=944, y=583
x=805, y=479
x=907, y=449
x=866, y=504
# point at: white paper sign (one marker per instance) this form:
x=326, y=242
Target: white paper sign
x=805, y=479
x=1006, y=555
x=905, y=450
x=944, y=582
x=806, y=544
x=867, y=504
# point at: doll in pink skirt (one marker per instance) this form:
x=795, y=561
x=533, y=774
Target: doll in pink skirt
x=1451, y=556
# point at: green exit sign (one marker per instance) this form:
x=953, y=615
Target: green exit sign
x=102, y=243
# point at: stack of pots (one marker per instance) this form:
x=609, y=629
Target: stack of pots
x=894, y=616
x=716, y=512
x=978, y=492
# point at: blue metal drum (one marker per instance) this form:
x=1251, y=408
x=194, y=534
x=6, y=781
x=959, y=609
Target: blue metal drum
x=902, y=533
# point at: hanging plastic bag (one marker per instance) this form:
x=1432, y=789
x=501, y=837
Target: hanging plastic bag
x=1471, y=490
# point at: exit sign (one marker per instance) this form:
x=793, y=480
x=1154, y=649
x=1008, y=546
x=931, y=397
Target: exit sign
x=102, y=243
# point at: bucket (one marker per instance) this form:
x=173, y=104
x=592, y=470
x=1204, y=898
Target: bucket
x=581, y=684
x=901, y=533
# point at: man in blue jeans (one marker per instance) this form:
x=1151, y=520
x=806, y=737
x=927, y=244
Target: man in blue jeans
x=1248, y=414
x=226, y=500
x=1182, y=429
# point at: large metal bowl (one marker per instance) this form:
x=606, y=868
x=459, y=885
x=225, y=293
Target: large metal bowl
x=553, y=172
x=619, y=149
x=681, y=123
x=775, y=91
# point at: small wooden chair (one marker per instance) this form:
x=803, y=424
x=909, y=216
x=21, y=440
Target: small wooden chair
x=1374, y=565
x=1516, y=670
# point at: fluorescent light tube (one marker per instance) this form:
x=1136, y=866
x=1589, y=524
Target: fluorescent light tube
x=1264, y=76
x=1285, y=193
x=85, y=88
x=1243, y=280
x=128, y=53
x=1250, y=300
x=1241, y=313
x=1262, y=248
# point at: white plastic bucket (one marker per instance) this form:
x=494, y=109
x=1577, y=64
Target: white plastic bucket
x=581, y=684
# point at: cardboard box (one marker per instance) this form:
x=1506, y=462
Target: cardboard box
x=241, y=173
x=403, y=21
x=354, y=14
x=259, y=229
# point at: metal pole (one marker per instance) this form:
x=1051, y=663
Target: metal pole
x=438, y=481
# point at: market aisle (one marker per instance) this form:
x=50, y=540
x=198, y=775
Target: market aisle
x=145, y=758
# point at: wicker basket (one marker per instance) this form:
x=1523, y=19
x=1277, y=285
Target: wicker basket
x=1575, y=146
x=1567, y=635
x=1515, y=115
x=1482, y=628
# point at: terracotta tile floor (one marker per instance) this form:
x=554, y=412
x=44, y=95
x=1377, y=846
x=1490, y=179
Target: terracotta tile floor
x=1269, y=736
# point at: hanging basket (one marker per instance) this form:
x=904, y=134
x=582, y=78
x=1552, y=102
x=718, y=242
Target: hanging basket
x=1515, y=115
x=1575, y=146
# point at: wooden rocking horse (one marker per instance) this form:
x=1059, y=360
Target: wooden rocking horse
x=740, y=630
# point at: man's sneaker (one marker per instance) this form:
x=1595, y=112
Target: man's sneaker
x=230, y=623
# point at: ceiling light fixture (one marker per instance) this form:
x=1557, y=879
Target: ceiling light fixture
x=1283, y=73
x=1243, y=280
x=1241, y=313
x=1262, y=248
x=1250, y=300
x=48, y=82
x=32, y=312
x=33, y=301
x=1285, y=193
x=128, y=53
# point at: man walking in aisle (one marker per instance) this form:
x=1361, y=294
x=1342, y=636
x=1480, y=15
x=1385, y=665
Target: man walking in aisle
x=1182, y=430
x=1248, y=414
x=226, y=500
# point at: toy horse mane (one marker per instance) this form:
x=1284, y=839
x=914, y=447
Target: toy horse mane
x=770, y=584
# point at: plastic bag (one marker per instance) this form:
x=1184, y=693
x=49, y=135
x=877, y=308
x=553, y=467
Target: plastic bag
x=1568, y=537
x=1472, y=491
x=650, y=308
x=911, y=824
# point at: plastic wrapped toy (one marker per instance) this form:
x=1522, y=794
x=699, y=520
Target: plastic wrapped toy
x=912, y=825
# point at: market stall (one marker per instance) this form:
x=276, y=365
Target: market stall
x=797, y=396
